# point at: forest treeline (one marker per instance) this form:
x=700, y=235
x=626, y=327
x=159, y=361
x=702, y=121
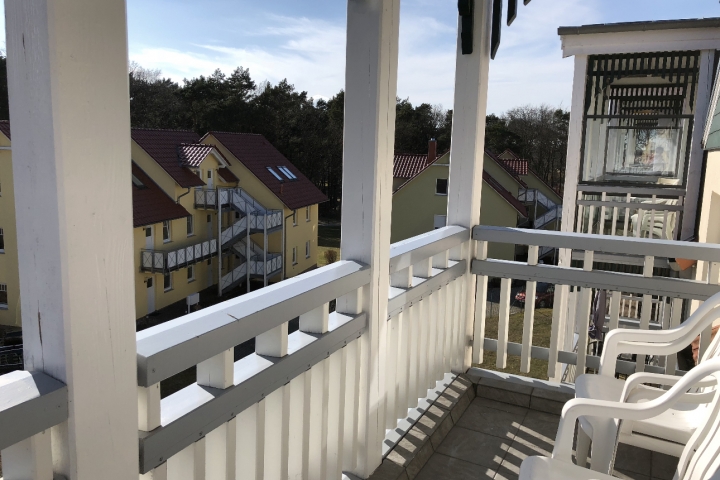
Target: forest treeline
x=310, y=132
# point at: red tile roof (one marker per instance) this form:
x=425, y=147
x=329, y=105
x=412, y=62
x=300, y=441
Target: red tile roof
x=408, y=165
x=257, y=154
x=505, y=194
x=150, y=203
x=192, y=154
x=505, y=167
x=227, y=175
x=162, y=146
x=5, y=127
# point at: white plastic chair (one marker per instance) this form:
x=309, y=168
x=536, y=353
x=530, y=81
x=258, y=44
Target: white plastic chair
x=667, y=433
x=699, y=459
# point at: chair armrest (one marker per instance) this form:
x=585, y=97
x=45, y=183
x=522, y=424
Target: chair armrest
x=637, y=379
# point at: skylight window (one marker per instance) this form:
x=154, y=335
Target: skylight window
x=287, y=173
x=136, y=181
x=275, y=174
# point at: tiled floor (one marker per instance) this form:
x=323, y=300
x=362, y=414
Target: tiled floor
x=491, y=439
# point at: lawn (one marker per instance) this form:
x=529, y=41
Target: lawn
x=541, y=338
x=328, y=239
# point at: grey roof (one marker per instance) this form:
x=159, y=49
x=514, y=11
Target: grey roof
x=641, y=26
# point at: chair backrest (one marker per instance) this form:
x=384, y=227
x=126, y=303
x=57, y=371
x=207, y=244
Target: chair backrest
x=713, y=349
x=700, y=459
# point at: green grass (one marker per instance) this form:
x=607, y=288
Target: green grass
x=329, y=236
x=541, y=338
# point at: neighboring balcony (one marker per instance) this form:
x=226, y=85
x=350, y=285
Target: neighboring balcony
x=261, y=219
x=163, y=261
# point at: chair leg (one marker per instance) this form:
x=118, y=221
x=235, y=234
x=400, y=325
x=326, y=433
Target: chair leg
x=603, y=446
x=582, y=448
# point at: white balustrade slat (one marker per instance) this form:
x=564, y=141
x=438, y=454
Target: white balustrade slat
x=451, y=337
x=480, y=307
x=675, y=317
x=580, y=215
x=423, y=323
x=627, y=216
x=182, y=464
x=277, y=429
x=319, y=392
x=615, y=298
x=218, y=371
x=601, y=229
x=559, y=316
x=393, y=352
x=591, y=218
x=231, y=450
x=647, y=307
x=148, y=408
x=336, y=413
x=613, y=228
x=158, y=473
x=30, y=459
x=403, y=364
x=460, y=328
x=432, y=329
x=583, y=316
x=250, y=456
x=299, y=427
x=503, y=323
x=317, y=320
x=350, y=428
x=529, y=318
x=216, y=453
x=414, y=352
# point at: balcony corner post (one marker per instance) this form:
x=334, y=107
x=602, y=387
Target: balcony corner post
x=370, y=100
x=70, y=112
x=466, y=155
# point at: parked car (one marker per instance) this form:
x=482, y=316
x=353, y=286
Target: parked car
x=544, y=295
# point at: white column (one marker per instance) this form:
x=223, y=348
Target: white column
x=467, y=151
x=572, y=168
x=370, y=92
x=69, y=108
x=695, y=164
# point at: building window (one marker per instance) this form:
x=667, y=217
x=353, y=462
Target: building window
x=167, y=281
x=286, y=171
x=191, y=273
x=209, y=172
x=294, y=218
x=190, y=226
x=441, y=186
x=166, y=231
x=307, y=249
x=274, y=174
x=3, y=296
x=2, y=241
x=294, y=256
x=307, y=214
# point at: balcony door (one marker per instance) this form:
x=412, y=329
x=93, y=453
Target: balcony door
x=149, y=238
x=150, y=295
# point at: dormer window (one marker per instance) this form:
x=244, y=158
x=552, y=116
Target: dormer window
x=275, y=174
x=136, y=181
x=286, y=171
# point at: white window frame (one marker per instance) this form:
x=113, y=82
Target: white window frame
x=191, y=225
x=2, y=240
x=447, y=187
x=286, y=171
x=167, y=228
x=307, y=213
x=275, y=174
x=294, y=256
x=168, y=275
x=295, y=218
x=190, y=273
x=3, y=288
x=307, y=249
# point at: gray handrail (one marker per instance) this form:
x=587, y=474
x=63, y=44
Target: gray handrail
x=416, y=249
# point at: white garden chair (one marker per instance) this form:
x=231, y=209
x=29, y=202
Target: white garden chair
x=699, y=459
x=667, y=433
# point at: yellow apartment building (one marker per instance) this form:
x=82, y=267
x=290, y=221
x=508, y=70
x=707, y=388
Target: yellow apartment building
x=265, y=174
x=9, y=279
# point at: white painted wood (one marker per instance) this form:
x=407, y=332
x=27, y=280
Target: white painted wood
x=251, y=443
x=503, y=323
x=441, y=327
x=601, y=229
x=231, y=450
x=423, y=323
x=557, y=330
x=68, y=93
x=30, y=459
x=413, y=325
x=449, y=316
x=675, y=317
x=464, y=323
x=432, y=350
x=392, y=372
x=216, y=453
x=572, y=169
x=273, y=343
x=530, y=288
x=159, y=473
x=480, y=307
x=403, y=364
x=350, y=428
x=277, y=430
x=299, y=427
x=647, y=306
x=614, y=221
x=315, y=321
x=148, y=407
x=583, y=316
x=468, y=150
x=370, y=99
x=402, y=278
x=336, y=413
x=615, y=298
x=319, y=391
x=218, y=371
x=679, y=39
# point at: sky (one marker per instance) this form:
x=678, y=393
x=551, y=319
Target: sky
x=304, y=41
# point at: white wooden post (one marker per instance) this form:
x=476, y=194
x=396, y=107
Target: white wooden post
x=467, y=152
x=69, y=108
x=370, y=93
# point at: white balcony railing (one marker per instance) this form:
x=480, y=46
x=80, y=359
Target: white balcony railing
x=168, y=261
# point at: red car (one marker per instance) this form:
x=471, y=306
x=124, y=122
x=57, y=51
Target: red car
x=544, y=295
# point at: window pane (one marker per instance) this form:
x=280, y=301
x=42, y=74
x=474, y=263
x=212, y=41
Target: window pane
x=274, y=173
x=3, y=294
x=167, y=283
x=441, y=185
x=189, y=225
x=2, y=239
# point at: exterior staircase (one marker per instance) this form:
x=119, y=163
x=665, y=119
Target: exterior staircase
x=251, y=260
x=552, y=212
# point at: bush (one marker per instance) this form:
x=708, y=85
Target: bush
x=331, y=256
